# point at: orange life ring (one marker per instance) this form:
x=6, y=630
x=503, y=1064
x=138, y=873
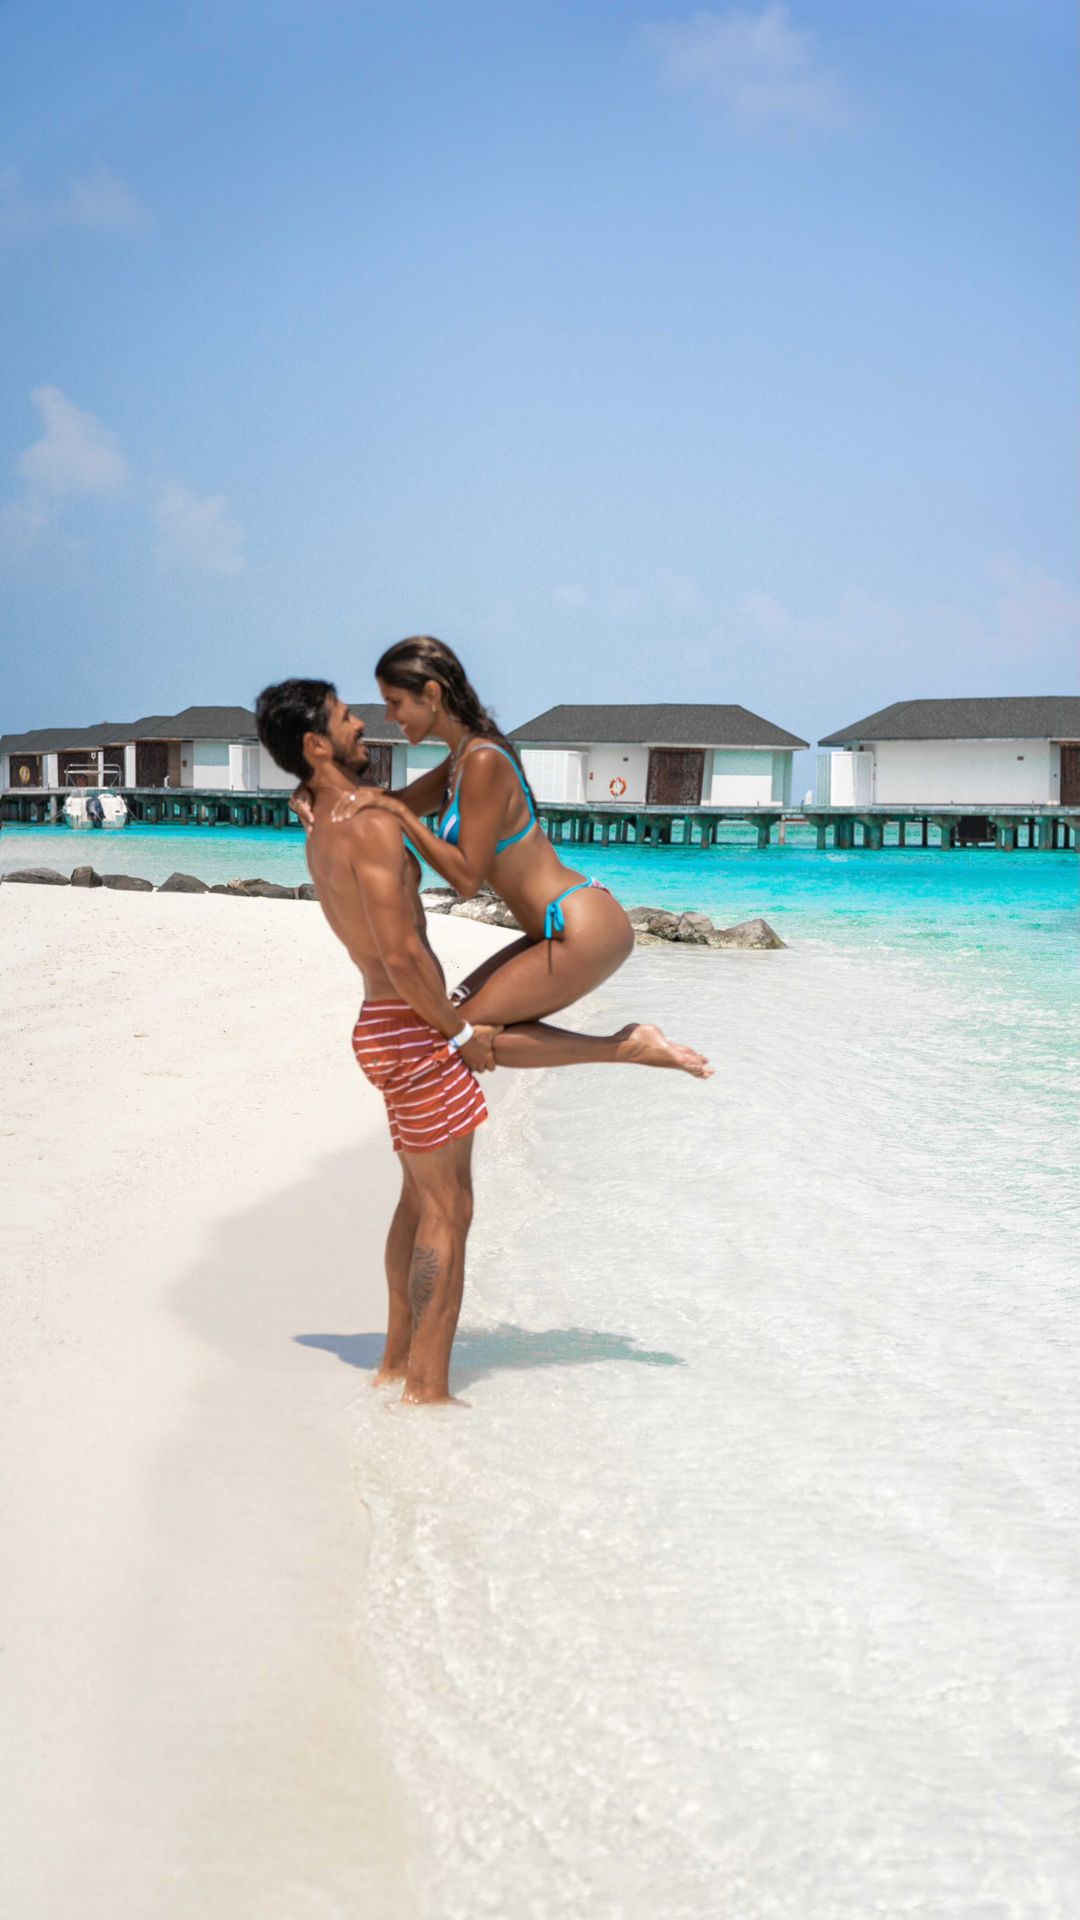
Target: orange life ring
x=617, y=787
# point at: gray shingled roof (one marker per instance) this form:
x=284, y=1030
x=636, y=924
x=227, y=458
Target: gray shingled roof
x=1023, y=717
x=110, y=733
x=672, y=725
x=193, y=723
x=197, y=723
x=376, y=725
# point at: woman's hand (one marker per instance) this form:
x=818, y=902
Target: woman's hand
x=361, y=797
x=303, y=806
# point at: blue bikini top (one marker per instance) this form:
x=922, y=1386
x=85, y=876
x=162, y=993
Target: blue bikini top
x=450, y=823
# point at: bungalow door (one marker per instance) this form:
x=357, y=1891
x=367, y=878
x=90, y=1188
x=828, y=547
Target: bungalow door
x=151, y=763
x=676, y=776
x=1070, y=774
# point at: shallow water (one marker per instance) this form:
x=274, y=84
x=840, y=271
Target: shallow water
x=750, y=1583
x=836, y=896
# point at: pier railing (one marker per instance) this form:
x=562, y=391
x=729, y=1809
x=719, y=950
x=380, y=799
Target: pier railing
x=613, y=824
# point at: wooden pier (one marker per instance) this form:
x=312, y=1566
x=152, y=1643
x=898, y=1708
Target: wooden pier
x=158, y=806
x=844, y=828
x=1007, y=828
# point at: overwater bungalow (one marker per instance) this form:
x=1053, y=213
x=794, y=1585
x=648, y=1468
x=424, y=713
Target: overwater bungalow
x=674, y=755
x=211, y=749
x=199, y=747
x=1008, y=752
x=392, y=762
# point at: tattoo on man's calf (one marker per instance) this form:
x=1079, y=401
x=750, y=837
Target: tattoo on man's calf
x=423, y=1271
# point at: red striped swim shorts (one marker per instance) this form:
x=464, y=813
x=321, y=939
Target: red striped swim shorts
x=431, y=1096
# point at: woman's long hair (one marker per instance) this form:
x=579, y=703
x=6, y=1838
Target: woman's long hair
x=410, y=664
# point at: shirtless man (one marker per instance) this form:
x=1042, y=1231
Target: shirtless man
x=411, y=1040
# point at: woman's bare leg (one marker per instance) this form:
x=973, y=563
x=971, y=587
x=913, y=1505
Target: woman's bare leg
x=480, y=975
x=528, y=979
x=536, y=1044
x=532, y=978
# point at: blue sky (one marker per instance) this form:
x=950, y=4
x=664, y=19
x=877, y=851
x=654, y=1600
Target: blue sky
x=641, y=352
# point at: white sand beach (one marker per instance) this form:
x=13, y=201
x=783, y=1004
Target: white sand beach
x=749, y=1582
x=185, y=1700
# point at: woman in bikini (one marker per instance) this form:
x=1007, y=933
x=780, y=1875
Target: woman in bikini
x=575, y=933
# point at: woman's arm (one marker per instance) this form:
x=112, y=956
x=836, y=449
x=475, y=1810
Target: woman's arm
x=423, y=795
x=466, y=866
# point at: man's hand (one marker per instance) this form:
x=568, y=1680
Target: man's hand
x=479, y=1052
x=361, y=797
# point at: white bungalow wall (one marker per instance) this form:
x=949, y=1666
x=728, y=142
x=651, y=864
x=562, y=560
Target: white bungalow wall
x=961, y=772
x=744, y=777
x=204, y=763
x=410, y=762
x=555, y=773
x=243, y=766
x=607, y=775
x=273, y=778
x=606, y=767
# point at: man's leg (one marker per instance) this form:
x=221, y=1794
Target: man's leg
x=399, y=1251
x=443, y=1182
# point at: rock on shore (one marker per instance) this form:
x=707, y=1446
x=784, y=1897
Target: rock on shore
x=653, y=926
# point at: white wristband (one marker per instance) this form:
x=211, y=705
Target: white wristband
x=462, y=1039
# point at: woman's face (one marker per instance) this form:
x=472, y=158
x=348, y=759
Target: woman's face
x=415, y=713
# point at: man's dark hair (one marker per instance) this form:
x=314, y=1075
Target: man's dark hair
x=283, y=714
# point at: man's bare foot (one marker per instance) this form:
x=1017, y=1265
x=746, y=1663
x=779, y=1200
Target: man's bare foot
x=648, y=1047
x=409, y=1401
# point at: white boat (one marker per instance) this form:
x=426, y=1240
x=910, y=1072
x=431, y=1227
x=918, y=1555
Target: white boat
x=85, y=809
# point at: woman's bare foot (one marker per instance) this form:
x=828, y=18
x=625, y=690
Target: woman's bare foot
x=648, y=1047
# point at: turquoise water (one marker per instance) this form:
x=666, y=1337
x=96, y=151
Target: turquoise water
x=914, y=894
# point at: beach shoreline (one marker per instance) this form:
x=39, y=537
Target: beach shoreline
x=782, y=1361
x=193, y=1163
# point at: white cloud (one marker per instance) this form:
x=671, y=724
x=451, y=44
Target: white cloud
x=75, y=454
x=572, y=596
x=757, y=68
x=1031, y=620
x=102, y=200
x=196, y=533
x=99, y=201
x=76, y=457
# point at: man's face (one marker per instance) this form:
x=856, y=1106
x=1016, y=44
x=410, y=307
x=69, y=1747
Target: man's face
x=346, y=736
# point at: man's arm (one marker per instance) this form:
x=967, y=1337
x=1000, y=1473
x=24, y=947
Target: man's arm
x=378, y=859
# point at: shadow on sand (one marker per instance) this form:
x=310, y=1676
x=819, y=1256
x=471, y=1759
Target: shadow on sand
x=476, y=1354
